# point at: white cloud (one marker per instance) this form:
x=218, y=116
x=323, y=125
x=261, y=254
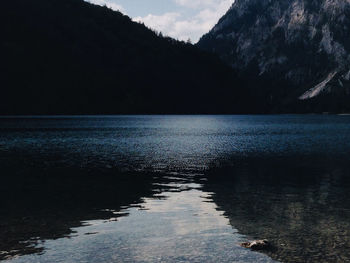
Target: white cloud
x=161, y=23
x=107, y=3
x=175, y=24
x=198, y=3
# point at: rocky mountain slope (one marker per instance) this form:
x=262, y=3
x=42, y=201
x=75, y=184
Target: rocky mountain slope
x=295, y=54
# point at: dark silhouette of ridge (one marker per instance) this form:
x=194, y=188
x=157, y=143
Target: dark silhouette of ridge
x=73, y=57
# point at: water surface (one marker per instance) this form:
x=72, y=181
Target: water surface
x=174, y=188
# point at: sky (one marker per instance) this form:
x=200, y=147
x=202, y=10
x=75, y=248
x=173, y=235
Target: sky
x=180, y=19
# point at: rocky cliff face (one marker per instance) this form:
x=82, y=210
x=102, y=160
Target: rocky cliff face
x=299, y=49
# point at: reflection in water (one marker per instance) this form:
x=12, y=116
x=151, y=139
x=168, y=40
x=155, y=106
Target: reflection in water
x=179, y=227
x=74, y=176
x=37, y=204
x=302, y=207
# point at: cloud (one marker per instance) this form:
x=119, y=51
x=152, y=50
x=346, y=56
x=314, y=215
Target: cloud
x=108, y=3
x=204, y=14
x=161, y=23
x=198, y=3
x=179, y=26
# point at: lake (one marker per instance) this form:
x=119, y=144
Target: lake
x=174, y=188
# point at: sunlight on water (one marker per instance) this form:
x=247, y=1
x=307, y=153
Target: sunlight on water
x=179, y=144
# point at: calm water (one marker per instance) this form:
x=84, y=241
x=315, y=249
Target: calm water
x=174, y=188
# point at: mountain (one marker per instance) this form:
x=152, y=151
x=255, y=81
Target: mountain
x=73, y=57
x=293, y=54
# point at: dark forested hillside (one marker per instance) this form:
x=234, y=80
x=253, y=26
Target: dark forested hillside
x=72, y=57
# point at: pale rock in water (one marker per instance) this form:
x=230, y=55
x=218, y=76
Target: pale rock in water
x=257, y=244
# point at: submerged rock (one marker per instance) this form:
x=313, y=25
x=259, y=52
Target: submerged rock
x=257, y=244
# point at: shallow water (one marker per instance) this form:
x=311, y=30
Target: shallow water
x=182, y=228
x=174, y=188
